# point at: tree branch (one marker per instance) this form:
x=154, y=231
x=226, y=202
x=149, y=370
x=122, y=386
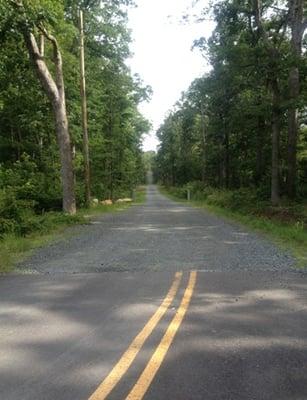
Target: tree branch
x=41, y=67
x=16, y=3
x=57, y=59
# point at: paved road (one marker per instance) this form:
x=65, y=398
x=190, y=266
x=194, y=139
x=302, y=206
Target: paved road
x=107, y=314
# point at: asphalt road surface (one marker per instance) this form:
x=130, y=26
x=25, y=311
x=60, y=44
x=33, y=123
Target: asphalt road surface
x=161, y=301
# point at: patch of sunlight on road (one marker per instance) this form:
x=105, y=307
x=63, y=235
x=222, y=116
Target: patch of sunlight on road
x=168, y=210
x=239, y=312
x=179, y=210
x=247, y=343
x=181, y=228
x=219, y=302
x=41, y=320
x=135, y=312
x=143, y=228
x=138, y=250
x=24, y=357
x=153, y=228
x=276, y=294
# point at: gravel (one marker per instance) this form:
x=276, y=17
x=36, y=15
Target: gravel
x=159, y=235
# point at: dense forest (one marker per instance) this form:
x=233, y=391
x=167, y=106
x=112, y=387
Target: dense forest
x=243, y=125
x=69, y=135
x=44, y=155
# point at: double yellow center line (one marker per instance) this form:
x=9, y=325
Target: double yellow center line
x=147, y=376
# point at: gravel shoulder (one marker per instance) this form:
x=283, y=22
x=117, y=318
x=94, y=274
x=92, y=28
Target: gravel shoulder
x=159, y=235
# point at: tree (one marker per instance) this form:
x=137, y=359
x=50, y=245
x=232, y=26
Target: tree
x=233, y=121
x=87, y=181
x=29, y=21
x=297, y=26
x=29, y=157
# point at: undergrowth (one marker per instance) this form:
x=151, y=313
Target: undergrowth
x=22, y=231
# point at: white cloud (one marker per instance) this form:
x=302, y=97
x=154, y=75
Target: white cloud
x=163, y=56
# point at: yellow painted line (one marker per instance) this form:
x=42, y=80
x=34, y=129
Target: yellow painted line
x=127, y=358
x=147, y=376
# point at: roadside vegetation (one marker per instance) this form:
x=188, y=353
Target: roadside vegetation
x=239, y=133
x=243, y=124
x=27, y=231
x=42, y=163
x=285, y=224
x=44, y=180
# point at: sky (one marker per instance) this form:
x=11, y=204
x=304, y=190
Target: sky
x=162, y=55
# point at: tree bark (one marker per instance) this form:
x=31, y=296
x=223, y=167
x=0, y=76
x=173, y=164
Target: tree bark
x=292, y=133
x=67, y=172
x=226, y=158
x=259, y=150
x=55, y=91
x=84, y=115
x=275, y=189
x=204, y=143
x=297, y=27
x=274, y=87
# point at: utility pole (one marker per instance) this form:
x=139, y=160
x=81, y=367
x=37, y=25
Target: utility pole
x=84, y=115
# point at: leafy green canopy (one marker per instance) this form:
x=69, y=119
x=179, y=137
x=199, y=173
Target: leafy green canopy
x=29, y=158
x=220, y=132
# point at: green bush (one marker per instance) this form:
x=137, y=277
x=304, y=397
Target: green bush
x=28, y=183
x=16, y=216
x=246, y=199
x=220, y=198
x=179, y=192
x=6, y=226
x=241, y=199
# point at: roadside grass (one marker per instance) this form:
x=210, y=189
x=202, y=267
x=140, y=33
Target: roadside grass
x=288, y=233
x=15, y=248
x=52, y=227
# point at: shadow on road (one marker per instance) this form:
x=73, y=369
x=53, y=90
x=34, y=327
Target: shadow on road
x=244, y=336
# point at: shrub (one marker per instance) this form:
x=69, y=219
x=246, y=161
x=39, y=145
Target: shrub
x=28, y=183
x=6, y=226
x=16, y=216
x=244, y=199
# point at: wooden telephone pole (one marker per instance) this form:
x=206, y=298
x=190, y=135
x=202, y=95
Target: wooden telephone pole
x=84, y=115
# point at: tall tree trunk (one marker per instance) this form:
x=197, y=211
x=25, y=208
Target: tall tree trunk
x=292, y=132
x=297, y=26
x=67, y=173
x=19, y=142
x=274, y=86
x=203, y=142
x=55, y=91
x=226, y=158
x=275, y=189
x=84, y=115
x=259, y=150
